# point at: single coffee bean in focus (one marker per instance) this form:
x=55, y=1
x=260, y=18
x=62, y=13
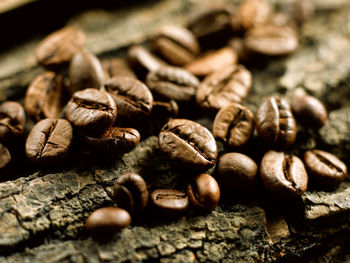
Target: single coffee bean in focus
x=169, y=202
x=5, y=157
x=12, y=120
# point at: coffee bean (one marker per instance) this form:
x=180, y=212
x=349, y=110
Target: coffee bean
x=49, y=141
x=130, y=192
x=175, y=44
x=45, y=97
x=91, y=110
x=222, y=88
x=325, y=168
x=117, y=67
x=167, y=108
x=107, y=219
x=12, y=120
x=173, y=83
x=253, y=13
x=5, y=156
x=132, y=97
x=309, y=111
x=60, y=46
x=213, y=61
x=189, y=143
x=233, y=125
x=283, y=175
x=85, y=71
x=275, y=123
x=204, y=192
x=169, y=202
x=236, y=172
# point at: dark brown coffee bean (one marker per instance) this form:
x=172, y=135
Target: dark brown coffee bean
x=168, y=108
x=234, y=125
x=60, y=46
x=45, y=97
x=173, y=83
x=275, y=123
x=204, y=192
x=132, y=97
x=236, y=172
x=85, y=71
x=283, y=175
x=169, y=202
x=107, y=219
x=253, y=13
x=222, y=88
x=94, y=111
x=117, y=67
x=49, y=141
x=325, y=168
x=12, y=120
x=130, y=192
x=115, y=141
x=213, y=61
x=5, y=156
x=175, y=44
x=309, y=111
x=189, y=143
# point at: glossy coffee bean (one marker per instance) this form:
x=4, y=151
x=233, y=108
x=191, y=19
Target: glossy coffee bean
x=283, y=175
x=234, y=125
x=325, y=168
x=275, y=123
x=12, y=120
x=176, y=44
x=309, y=111
x=223, y=88
x=236, y=172
x=188, y=143
x=91, y=110
x=132, y=97
x=204, y=192
x=49, y=141
x=85, y=71
x=45, y=97
x=60, y=46
x=252, y=13
x=173, y=83
x=5, y=156
x=130, y=192
x=115, y=141
x=169, y=202
x=107, y=219
x=117, y=67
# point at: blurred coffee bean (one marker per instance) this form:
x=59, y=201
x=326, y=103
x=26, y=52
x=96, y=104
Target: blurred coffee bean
x=237, y=44
x=5, y=156
x=299, y=11
x=117, y=67
x=253, y=13
x=165, y=108
x=12, y=120
x=169, y=202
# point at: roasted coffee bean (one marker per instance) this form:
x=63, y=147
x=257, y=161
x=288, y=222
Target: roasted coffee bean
x=45, y=97
x=169, y=108
x=234, y=125
x=5, y=156
x=175, y=44
x=117, y=67
x=169, y=202
x=189, y=143
x=12, y=120
x=85, y=71
x=309, y=111
x=173, y=83
x=49, y=141
x=60, y=46
x=130, y=192
x=132, y=97
x=115, y=141
x=283, y=175
x=325, y=168
x=272, y=40
x=107, y=219
x=236, y=172
x=93, y=111
x=253, y=13
x=222, y=88
x=275, y=123
x=204, y=192
x=213, y=61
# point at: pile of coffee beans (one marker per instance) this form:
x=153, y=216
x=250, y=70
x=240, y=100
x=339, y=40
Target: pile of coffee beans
x=189, y=66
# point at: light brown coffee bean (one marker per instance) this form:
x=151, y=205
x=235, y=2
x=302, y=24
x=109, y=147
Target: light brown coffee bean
x=252, y=13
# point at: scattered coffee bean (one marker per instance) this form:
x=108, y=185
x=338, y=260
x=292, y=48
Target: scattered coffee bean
x=5, y=156
x=130, y=192
x=94, y=111
x=253, y=13
x=275, y=123
x=169, y=202
x=283, y=175
x=168, y=108
x=12, y=120
x=325, y=168
x=117, y=67
x=204, y=192
x=189, y=143
x=49, y=141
